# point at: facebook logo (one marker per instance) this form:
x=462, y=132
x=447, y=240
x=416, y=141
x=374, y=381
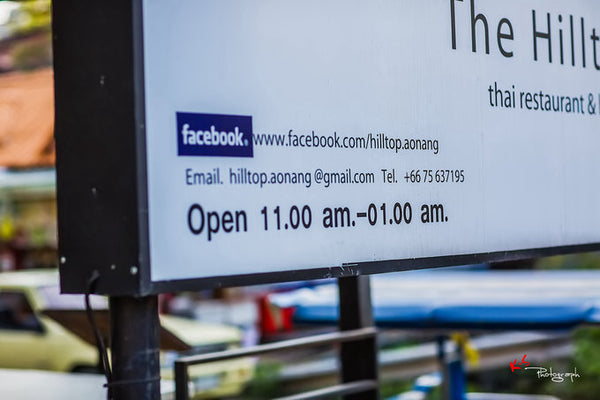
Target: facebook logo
x=214, y=135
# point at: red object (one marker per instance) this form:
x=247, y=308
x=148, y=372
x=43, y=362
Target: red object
x=274, y=319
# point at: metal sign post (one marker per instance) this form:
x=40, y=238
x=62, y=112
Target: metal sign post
x=135, y=350
x=358, y=359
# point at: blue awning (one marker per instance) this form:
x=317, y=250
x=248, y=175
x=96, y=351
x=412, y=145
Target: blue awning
x=464, y=300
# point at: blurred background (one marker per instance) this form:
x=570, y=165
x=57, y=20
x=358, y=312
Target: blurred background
x=410, y=366
x=27, y=200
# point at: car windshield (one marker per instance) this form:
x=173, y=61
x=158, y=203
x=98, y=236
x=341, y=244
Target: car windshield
x=53, y=299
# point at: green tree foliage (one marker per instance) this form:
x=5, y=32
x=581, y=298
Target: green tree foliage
x=571, y=261
x=586, y=361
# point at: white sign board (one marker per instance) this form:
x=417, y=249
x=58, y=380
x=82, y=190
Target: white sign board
x=305, y=134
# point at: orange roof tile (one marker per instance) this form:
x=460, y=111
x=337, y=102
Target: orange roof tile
x=27, y=119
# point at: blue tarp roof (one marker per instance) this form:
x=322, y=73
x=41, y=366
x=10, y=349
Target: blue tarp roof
x=464, y=299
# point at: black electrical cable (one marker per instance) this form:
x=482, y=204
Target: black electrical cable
x=100, y=345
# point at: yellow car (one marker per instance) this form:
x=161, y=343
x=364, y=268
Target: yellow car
x=30, y=339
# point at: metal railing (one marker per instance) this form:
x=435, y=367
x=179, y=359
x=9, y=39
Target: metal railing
x=358, y=349
x=182, y=364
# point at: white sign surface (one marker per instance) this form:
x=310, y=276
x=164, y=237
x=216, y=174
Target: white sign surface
x=285, y=135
